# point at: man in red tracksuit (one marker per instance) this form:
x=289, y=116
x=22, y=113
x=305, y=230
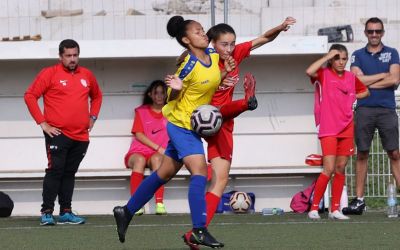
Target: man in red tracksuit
x=66, y=122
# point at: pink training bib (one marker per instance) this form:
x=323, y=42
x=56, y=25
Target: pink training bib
x=334, y=98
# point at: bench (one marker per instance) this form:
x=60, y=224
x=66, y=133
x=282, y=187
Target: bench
x=24, y=155
x=112, y=173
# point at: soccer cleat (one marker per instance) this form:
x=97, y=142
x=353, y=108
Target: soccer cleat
x=47, y=219
x=122, y=219
x=313, y=215
x=356, y=207
x=249, y=90
x=336, y=215
x=140, y=212
x=201, y=236
x=252, y=103
x=186, y=239
x=160, y=209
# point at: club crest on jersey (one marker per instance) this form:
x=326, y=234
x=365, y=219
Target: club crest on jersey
x=63, y=82
x=84, y=83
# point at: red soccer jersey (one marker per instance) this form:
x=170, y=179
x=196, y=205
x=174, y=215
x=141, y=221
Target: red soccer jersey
x=224, y=95
x=66, y=99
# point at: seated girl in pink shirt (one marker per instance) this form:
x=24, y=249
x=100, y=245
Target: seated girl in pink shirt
x=336, y=89
x=149, y=141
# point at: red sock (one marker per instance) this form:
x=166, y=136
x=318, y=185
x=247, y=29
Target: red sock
x=337, y=189
x=233, y=109
x=212, y=202
x=160, y=195
x=136, y=179
x=319, y=190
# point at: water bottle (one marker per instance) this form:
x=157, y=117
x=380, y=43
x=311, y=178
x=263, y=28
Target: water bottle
x=392, y=201
x=272, y=211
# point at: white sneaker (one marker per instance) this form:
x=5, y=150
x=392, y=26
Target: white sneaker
x=336, y=215
x=313, y=215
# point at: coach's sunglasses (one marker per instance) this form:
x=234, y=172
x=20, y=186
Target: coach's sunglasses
x=370, y=32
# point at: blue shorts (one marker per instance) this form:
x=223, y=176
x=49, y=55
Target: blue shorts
x=182, y=142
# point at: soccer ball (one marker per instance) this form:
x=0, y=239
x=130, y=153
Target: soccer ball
x=240, y=202
x=206, y=120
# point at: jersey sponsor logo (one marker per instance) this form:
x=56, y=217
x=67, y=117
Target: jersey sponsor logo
x=204, y=82
x=63, y=82
x=155, y=131
x=385, y=57
x=84, y=83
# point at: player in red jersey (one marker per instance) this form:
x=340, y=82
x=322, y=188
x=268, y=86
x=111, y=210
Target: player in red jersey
x=220, y=146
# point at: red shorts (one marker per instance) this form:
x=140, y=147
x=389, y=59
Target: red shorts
x=343, y=146
x=221, y=144
x=129, y=154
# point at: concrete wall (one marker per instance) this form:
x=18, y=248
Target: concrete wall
x=249, y=18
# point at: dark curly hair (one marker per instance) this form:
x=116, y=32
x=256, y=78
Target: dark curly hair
x=176, y=27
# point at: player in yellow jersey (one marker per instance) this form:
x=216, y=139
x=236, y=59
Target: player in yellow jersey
x=192, y=85
x=199, y=80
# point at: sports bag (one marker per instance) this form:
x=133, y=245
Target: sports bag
x=6, y=205
x=224, y=207
x=314, y=160
x=301, y=201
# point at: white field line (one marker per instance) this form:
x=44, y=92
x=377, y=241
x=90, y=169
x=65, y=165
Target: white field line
x=187, y=224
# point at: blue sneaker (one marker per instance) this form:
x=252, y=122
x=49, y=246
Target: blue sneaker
x=70, y=218
x=47, y=219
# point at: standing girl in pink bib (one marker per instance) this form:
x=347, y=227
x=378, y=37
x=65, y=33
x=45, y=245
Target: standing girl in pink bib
x=336, y=89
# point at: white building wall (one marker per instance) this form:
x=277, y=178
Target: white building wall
x=113, y=19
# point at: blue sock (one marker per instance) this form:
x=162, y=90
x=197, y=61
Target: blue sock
x=144, y=192
x=197, y=201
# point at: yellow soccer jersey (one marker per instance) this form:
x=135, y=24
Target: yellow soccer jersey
x=199, y=85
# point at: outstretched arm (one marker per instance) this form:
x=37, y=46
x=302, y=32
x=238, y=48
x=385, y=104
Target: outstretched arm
x=312, y=70
x=176, y=84
x=271, y=34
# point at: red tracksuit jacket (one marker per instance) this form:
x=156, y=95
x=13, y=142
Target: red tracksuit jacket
x=66, y=99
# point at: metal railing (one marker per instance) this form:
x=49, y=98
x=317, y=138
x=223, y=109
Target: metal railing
x=379, y=172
